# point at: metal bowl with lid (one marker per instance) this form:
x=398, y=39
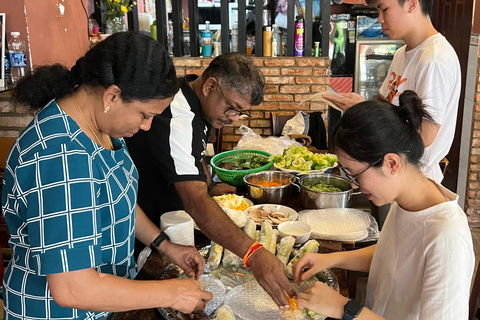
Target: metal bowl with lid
x=269, y=194
x=312, y=199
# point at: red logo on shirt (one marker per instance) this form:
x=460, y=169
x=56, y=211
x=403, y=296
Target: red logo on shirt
x=393, y=85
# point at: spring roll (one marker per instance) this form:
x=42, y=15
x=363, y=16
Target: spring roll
x=285, y=249
x=250, y=228
x=266, y=234
x=273, y=242
x=225, y=313
x=231, y=261
x=215, y=256
x=310, y=246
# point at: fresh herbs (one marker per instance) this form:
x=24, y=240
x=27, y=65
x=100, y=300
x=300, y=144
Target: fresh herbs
x=323, y=187
x=246, y=164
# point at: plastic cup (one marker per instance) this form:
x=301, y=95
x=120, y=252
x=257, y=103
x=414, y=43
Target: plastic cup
x=207, y=50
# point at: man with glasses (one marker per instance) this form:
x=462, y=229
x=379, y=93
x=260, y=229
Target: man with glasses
x=170, y=159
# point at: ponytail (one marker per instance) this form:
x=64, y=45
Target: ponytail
x=411, y=110
x=46, y=83
x=135, y=62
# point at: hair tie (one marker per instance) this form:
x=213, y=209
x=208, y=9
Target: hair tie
x=74, y=77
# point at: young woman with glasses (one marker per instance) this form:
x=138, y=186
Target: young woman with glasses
x=422, y=265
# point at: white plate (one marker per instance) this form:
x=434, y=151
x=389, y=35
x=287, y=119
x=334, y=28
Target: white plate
x=289, y=212
x=340, y=224
x=297, y=172
x=248, y=201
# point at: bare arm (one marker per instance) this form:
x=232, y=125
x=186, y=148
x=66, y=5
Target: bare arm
x=356, y=260
x=345, y=100
x=89, y=290
x=324, y=300
x=219, y=188
x=217, y=226
x=428, y=131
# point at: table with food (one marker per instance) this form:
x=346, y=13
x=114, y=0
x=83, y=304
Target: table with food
x=291, y=203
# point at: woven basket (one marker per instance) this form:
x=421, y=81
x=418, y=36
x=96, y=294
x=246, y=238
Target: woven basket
x=235, y=177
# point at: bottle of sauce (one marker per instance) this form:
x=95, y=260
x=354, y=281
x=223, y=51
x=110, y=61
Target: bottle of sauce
x=267, y=41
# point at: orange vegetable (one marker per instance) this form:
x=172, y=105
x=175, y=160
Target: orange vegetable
x=240, y=274
x=292, y=302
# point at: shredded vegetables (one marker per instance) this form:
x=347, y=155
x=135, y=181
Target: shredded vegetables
x=265, y=183
x=292, y=302
x=232, y=201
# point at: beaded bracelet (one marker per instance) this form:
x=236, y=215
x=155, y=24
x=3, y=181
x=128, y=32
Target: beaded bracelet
x=253, y=248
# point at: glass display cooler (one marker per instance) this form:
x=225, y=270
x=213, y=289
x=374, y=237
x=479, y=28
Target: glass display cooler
x=372, y=61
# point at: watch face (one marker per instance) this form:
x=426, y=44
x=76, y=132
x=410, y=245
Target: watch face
x=352, y=309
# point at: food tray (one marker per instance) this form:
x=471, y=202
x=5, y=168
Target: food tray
x=243, y=292
x=235, y=177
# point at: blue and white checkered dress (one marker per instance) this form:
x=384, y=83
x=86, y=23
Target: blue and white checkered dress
x=69, y=205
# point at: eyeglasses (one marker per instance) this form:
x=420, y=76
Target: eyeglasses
x=231, y=111
x=353, y=177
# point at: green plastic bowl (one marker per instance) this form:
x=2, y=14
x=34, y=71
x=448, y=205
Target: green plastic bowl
x=235, y=177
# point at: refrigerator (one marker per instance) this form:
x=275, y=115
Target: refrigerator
x=372, y=61
x=373, y=55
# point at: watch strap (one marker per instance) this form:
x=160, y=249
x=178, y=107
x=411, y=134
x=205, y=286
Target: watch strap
x=158, y=240
x=352, y=309
x=211, y=186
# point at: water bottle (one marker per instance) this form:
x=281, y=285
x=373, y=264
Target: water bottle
x=276, y=41
x=8, y=70
x=170, y=43
x=299, y=34
x=18, y=57
x=235, y=37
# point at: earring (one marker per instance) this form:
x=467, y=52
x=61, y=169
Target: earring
x=107, y=109
x=393, y=173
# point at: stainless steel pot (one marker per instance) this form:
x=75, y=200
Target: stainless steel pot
x=260, y=194
x=312, y=199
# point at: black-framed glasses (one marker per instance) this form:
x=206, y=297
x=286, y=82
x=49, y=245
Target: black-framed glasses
x=353, y=177
x=231, y=111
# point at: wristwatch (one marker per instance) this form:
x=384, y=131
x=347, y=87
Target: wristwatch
x=158, y=240
x=352, y=309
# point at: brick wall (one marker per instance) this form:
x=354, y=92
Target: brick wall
x=473, y=185
x=288, y=82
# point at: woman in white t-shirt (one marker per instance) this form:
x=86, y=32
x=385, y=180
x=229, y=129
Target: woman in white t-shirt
x=422, y=265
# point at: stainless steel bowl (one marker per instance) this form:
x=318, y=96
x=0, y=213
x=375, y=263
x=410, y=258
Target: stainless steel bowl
x=312, y=199
x=260, y=194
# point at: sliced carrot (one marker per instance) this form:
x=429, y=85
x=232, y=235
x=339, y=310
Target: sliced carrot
x=240, y=274
x=292, y=302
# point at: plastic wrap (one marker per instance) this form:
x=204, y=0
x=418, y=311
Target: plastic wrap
x=216, y=287
x=272, y=145
x=340, y=224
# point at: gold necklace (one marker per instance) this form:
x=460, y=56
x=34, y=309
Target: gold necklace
x=88, y=124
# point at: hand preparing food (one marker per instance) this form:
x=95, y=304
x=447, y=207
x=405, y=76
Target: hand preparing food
x=244, y=298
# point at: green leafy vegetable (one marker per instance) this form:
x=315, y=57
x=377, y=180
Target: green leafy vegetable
x=299, y=158
x=245, y=164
